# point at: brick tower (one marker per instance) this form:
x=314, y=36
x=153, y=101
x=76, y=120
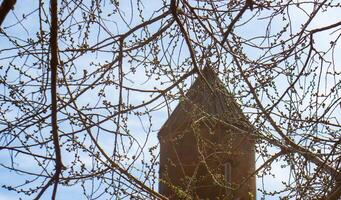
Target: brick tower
x=206, y=146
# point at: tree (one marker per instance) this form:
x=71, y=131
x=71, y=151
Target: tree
x=83, y=84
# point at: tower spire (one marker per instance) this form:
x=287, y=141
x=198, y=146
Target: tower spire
x=205, y=148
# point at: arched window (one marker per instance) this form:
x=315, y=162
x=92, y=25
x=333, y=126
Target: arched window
x=228, y=173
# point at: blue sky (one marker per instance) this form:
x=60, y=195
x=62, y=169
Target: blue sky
x=29, y=27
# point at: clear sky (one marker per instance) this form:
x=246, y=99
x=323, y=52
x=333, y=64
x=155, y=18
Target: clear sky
x=29, y=26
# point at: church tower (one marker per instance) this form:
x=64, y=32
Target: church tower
x=206, y=146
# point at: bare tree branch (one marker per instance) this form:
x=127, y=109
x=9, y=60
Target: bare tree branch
x=5, y=7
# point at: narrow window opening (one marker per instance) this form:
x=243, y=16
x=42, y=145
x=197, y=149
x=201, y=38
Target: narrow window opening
x=228, y=173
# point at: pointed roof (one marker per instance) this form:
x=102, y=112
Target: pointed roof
x=206, y=97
